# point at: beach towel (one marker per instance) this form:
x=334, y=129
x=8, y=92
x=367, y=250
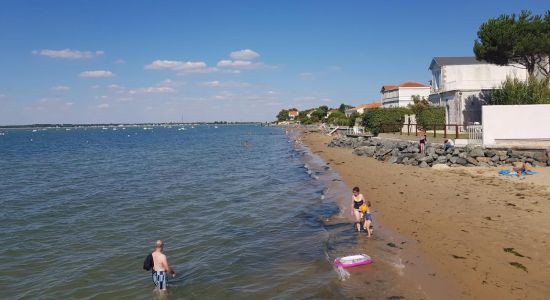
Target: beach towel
x=512, y=173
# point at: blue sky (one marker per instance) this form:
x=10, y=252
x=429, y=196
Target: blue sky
x=158, y=61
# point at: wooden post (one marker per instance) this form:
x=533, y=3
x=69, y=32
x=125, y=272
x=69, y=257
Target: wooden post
x=445, y=131
x=434, y=130
x=456, y=131
x=416, y=129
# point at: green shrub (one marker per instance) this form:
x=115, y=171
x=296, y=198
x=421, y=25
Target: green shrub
x=430, y=116
x=378, y=120
x=515, y=92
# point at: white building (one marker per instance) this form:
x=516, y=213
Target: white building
x=401, y=95
x=362, y=108
x=462, y=84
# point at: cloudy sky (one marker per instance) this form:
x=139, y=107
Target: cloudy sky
x=156, y=61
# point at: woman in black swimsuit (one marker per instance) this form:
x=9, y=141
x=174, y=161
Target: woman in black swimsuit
x=357, y=200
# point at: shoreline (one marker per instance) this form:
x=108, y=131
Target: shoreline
x=484, y=234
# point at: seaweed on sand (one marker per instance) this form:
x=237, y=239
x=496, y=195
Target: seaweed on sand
x=519, y=266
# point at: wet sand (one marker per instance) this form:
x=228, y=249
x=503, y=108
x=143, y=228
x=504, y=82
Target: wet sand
x=486, y=235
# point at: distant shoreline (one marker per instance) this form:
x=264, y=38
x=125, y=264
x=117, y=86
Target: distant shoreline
x=70, y=125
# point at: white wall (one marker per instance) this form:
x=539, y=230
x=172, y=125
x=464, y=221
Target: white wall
x=477, y=77
x=402, y=97
x=516, y=125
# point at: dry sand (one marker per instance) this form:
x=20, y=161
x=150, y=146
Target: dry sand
x=489, y=234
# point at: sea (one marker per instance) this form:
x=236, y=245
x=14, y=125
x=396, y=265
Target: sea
x=245, y=212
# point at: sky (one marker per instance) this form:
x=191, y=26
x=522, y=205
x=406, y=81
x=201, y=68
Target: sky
x=166, y=61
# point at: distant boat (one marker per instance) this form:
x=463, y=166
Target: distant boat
x=114, y=129
x=67, y=129
x=215, y=126
x=34, y=130
x=147, y=128
x=104, y=128
x=182, y=128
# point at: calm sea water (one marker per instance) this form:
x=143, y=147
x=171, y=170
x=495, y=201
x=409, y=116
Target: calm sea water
x=245, y=212
x=240, y=216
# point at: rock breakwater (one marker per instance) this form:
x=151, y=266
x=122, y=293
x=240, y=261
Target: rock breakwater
x=408, y=153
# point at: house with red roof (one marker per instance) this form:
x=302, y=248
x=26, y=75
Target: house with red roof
x=400, y=95
x=292, y=114
x=362, y=108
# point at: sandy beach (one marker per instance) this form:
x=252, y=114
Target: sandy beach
x=488, y=234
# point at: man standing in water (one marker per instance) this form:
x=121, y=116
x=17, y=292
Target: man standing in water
x=160, y=267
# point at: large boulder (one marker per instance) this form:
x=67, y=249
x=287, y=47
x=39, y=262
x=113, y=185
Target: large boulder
x=472, y=161
x=423, y=164
x=540, y=156
x=483, y=159
x=463, y=155
x=476, y=152
x=430, y=150
x=365, y=150
x=442, y=159
x=454, y=159
x=456, y=151
x=461, y=161
x=439, y=151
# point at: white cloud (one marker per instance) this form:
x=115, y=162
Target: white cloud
x=152, y=90
x=307, y=76
x=240, y=64
x=60, y=88
x=180, y=66
x=103, y=105
x=245, y=54
x=69, y=104
x=68, y=53
x=226, y=84
x=96, y=74
x=120, y=61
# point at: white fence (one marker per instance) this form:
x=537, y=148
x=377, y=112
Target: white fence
x=475, y=134
x=516, y=125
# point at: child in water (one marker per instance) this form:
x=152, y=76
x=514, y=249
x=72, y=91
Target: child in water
x=360, y=209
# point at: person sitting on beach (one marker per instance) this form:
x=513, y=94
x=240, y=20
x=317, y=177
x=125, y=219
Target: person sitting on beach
x=519, y=167
x=367, y=225
x=357, y=200
x=161, y=268
x=423, y=142
x=448, y=144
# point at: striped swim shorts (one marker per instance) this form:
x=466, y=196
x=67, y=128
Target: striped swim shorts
x=159, y=278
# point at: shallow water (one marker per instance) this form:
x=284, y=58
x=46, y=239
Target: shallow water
x=244, y=212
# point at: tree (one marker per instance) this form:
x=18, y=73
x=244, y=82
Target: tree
x=515, y=91
x=523, y=39
x=282, y=115
x=343, y=107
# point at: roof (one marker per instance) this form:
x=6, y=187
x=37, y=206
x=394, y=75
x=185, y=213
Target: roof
x=367, y=106
x=333, y=110
x=293, y=113
x=464, y=60
x=408, y=84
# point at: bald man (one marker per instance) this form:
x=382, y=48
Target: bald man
x=160, y=267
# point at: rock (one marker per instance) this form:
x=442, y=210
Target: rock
x=511, y=160
x=483, y=159
x=442, y=159
x=490, y=153
x=414, y=162
x=503, y=157
x=365, y=150
x=462, y=155
x=461, y=161
x=540, y=156
x=393, y=159
x=429, y=159
x=404, y=160
x=439, y=151
x=501, y=153
x=430, y=150
x=423, y=164
x=476, y=152
x=483, y=164
x=495, y=159
x=453, y=159
x=472, y=161
x=456, y=151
